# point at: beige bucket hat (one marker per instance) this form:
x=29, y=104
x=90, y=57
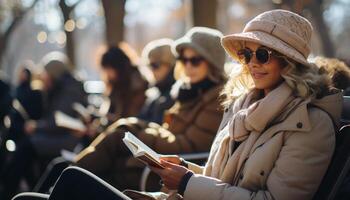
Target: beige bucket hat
x=283, y=31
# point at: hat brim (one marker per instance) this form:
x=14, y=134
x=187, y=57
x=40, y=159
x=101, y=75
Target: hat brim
x=232, y=43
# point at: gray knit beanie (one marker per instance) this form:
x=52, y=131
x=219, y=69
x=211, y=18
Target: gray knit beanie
x=55, y=64
x=159, y=51
x=206, y=42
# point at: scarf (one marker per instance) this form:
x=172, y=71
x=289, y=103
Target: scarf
x=189, y=92
x=251, y=118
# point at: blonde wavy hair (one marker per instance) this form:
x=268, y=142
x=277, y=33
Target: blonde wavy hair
x=305, y=81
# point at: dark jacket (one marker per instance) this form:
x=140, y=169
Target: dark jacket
x=67, y=91
x=126, y=103
x=189, y=126
x=158, y=100
x=28, y=105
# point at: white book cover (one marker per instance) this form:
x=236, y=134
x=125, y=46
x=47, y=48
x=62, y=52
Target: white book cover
x=66, y=121
x=83, y=111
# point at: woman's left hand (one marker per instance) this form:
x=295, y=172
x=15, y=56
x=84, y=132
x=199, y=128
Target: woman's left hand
x=171, y=175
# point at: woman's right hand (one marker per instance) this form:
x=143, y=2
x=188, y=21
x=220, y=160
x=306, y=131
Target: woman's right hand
x=171, y=158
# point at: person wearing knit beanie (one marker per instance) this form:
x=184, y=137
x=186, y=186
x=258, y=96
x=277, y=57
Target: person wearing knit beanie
x=55, y=64
x=158, y=58
x=206, y=42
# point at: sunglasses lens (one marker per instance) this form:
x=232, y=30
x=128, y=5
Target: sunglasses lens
x=154, y=65
x=244, y=55
x=262, y=55
x=195, y=61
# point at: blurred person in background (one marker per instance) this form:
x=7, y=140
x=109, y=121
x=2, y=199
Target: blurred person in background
x=125, y=87
x=26, y=105
x=157, y=57
x=45, y=139
x=124, y=93
x=5, y=102
x=188, y=126
x=338, y=71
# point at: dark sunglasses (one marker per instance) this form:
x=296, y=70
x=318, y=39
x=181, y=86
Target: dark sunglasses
x=155, y=65
x=195, y=61
x=262, y=54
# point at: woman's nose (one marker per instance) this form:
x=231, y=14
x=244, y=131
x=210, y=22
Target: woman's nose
x=254, y=62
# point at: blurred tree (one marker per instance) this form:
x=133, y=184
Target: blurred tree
x=204, y=13
x=316, y=9
x=114, y=18
x=67, y=13
x=17, y=12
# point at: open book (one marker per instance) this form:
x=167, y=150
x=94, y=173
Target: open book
x=141, y=151
x=66, y=121
x=82, y=111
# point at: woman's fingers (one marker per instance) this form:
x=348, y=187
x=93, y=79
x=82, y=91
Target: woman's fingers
x=168, y=164
x=171, y=175
x=171, y=158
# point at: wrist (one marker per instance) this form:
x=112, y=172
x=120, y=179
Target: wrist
x=183, y=183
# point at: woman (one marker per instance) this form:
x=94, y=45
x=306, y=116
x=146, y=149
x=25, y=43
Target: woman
x=125, y=86
x=189, y=125
x=277, y=137
x=160, y=61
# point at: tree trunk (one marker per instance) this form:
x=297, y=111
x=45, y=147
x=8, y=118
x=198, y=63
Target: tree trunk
x=114, y=19
x=315, y=8
x=327, y=44
x=204, y=13
x=70, y=46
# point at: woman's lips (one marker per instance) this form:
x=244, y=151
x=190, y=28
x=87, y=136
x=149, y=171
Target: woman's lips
x=258, y=75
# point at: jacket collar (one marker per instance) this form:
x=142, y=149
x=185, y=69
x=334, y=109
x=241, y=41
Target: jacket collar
x=294, y=118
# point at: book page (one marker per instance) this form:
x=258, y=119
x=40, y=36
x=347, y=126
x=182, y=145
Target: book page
x=66, y=121
x=139, y=149
x=84, y=112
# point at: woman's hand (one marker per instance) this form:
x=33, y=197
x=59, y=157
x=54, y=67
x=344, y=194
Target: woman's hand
x=171, y=175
